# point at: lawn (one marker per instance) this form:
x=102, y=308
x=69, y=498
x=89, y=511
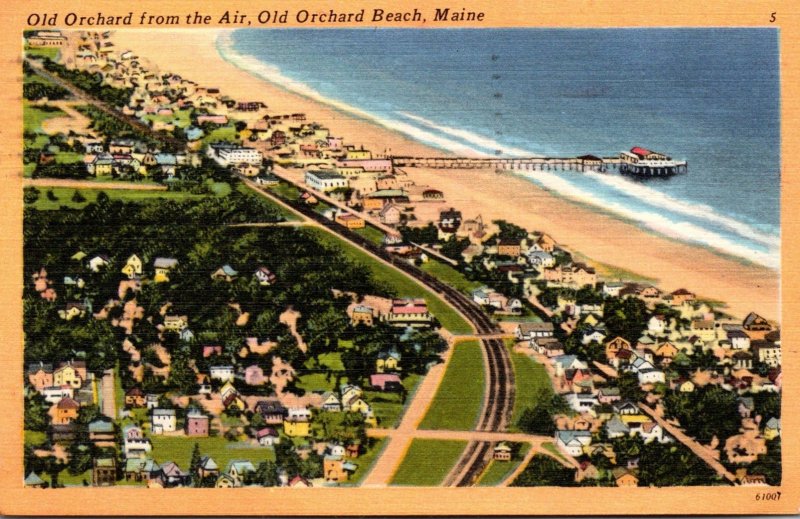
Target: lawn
x=34, y=116
x=427, y=462
x=67, y=479
x=287, y=215
x=552, y=448
x=498, y=471
x=179, y=449
x=366, y=460
x=224, y=133
x=42, y=52
x=64, y=196
x=34, y=437
x=371, y=233
x=389, y=407
x=531, y=382
x=459, y=399
x=449, y=275
x=285, y=190
x=402, y=284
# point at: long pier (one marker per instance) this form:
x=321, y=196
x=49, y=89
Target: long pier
x=519, y=163
x=580, y=164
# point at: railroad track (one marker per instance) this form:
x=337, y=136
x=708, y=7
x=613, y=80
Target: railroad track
x=499, y=400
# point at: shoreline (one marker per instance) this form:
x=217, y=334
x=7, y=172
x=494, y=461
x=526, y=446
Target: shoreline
x=590, y=232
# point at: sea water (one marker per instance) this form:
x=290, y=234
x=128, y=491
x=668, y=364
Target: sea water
x=707, y=96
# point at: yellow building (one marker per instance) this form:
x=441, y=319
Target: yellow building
x=350, y=221
x=362, y=154
x=296, y=427
x=133, y=267
x=67, y=376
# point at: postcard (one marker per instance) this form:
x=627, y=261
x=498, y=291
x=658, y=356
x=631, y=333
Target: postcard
x=353, y=258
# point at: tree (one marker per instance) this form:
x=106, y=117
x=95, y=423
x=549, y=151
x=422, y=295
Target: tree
x=194, y=465
x=628, y=384
x=537, y=420
x=181, y=375
x=77, y=197
x=51, y=196
x=626, y=318
x=36, y=417
x=30, y=195
x=267, y=474
x=544, y=471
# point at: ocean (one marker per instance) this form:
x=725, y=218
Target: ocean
x=707, y=96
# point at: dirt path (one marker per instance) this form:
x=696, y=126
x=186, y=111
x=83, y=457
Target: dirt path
x=90, y=184
x=107, y=388
x=704, y=453
x=289, y=318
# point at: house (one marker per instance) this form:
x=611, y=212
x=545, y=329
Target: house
x=173, y=476
x=657, y=324
x=102, y=433
x=54, y=394
x=151, y=400
x=196, y=424
x=163, y=421
x=705, y=329
x=593, y=335
x=616, y=428
x=502, y=452
x=175, y=323
x=134, y=444
x=390, y=214
x=529, y=331
x=755, y=324
x=296, y=426
x=624, y=477
x=226, y=154
x=508, y=247
x=97, y=262
x=133, y=266
x=264, y=276
x=680, y=297
x=767, y=352
x=575, y=275
x=739, y=339
x=40, y=375
x=626, y=407
x=548, y=346
x=581, y=401
x=573, y=442
x=224, y=273
x=540, y=260
x=325, y=181
x=222, y=373
x=239, y=470
x=651, y=376
x=385, y=382
x=773, y=428
x=651, y=431
x=207, y=467
x=409, y=312
x=267, y=437
x=104, y=472
x=233, y=400
x=134, y=397
x=350, y=221
x=73, y=310
x=162, y=267
x=546, y=243
x=336, y=469
x=361, y=315
x=562, y=363
x=271, y=410
x=450, y=221
x=299, y=482
x=62, y=433
x=614, y=346
x=66, y=411
x=387, y=361
x=331, y=402
x=32, y=480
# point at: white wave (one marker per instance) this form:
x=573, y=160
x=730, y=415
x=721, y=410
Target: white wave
x=274, y=75
x=701, y=211
x=471, y=137
x=681, y=230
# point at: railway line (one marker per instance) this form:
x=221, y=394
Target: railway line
x=499, y=401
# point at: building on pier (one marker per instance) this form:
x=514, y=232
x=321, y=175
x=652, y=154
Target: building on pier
x=646, y=163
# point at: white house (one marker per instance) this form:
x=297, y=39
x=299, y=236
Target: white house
x=739, y=339
x=528, y=331
x=572, y=442
x=325, y=180
x=593, y=335
x=226, y=154
x=581, y=401
x=54, y=394
x=134, y=444
x=651, y=431
x=651, y=376
x=540, y=259
x=221, y=373
x=163, y=421
x=657, y=324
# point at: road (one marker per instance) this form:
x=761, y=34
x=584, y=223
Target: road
x=702, y=452
x=109, y=406
x=499, y=394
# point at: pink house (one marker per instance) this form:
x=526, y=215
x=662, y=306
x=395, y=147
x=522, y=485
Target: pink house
x=211, y=350
x=254, y=376
x=385, y=382
x=216, y=119
x=196, y=424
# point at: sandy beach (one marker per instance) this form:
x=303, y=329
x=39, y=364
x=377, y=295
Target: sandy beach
x=601, y=238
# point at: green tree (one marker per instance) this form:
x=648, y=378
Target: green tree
x=544, y=471
x=36, y=417
x=30, y=195
x=77, y=197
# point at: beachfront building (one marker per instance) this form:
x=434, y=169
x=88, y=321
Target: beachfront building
x=643, y=162
x=409, y=312
x=226, y=154
x=325, y=181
